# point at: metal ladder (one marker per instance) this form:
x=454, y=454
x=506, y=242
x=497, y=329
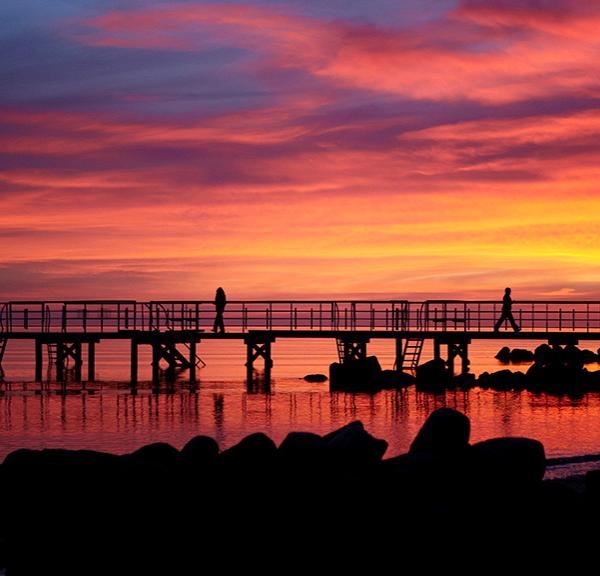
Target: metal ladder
x=412, y=353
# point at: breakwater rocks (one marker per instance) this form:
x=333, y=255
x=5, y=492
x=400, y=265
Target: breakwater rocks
x=333, y=497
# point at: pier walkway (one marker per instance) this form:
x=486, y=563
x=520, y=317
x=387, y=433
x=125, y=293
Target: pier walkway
x=174, y=329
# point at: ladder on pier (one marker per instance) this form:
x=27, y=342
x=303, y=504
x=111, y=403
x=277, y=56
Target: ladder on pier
x=197, y=359
x=51, y=347
x=340, y=349
x=412, y=353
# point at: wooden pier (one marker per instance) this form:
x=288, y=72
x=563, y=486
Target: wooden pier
x=175, y=329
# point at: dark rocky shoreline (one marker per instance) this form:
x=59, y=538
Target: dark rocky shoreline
x=312, y=496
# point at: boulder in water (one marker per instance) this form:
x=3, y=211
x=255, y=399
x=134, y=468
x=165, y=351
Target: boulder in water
x=503, y=355
x=543, y=354
x=362, y=375
x=433, y=376
x=463, y=381
x=589, y=357
x=393, y=379
x=520, y=355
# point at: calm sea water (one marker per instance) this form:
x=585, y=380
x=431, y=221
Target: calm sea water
x=106, y=415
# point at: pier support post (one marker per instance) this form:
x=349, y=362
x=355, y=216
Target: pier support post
x=399, y=355
x=436, y=349
x=64, y=351
x=91, y=361
x=75, y=352
x=258, y=347
x=38, y=360
x=193, y=361
x=134, y=361
x=155, y=362
x=60, y=362
x=353, y=347
x=458, y=349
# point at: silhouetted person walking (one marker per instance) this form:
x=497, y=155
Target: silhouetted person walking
x=220, y=302
x=507, y=313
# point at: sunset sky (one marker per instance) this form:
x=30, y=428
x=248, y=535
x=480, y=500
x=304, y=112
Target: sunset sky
x=299, y=148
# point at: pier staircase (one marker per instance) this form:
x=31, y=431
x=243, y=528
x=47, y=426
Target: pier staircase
x=199, y=361
x=412, y=354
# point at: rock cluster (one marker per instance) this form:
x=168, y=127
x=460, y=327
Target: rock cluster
x=553, y=369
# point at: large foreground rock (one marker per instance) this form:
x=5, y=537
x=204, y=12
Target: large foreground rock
x=200, y=451
x=446, y=431
x=253, y=451
x=508, y=464
x=352, y=444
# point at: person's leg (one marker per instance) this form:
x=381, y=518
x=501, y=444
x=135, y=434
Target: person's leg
x=216, y=322
x=499, y=323
x=514, y=325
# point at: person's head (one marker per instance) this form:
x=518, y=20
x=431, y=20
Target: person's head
x=507, y=290
x=220, y=290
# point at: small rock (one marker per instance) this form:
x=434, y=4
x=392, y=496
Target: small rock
x=315, y=378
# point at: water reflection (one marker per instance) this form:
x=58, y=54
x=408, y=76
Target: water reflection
x=117, y=419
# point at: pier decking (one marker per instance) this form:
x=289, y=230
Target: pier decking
x=174, y=329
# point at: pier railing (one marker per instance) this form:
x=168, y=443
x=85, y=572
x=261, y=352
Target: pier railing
x=111, y=316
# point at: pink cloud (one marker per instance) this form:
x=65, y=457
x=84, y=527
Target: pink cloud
x=464, y=56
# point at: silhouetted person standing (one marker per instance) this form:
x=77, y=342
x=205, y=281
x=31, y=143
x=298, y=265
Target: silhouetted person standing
x=506, y=313
x=220, y=302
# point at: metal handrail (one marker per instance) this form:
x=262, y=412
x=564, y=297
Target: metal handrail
x=105, y=316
